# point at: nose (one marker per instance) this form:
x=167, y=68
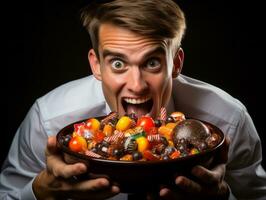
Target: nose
x=136, y=81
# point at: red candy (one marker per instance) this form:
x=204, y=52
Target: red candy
x=128, y=138
x=146, y=123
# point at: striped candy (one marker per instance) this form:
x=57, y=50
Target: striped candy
x=163, y=113
x=154, y=138
x=92, y=154
x=113, y=138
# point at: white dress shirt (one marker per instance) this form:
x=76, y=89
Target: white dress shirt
x=83, y=98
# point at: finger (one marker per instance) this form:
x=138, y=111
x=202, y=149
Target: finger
x=164, y=192
x=59, y=168
x=209, y=177
x=99, y=188
x=92, y=184
x=188, y=185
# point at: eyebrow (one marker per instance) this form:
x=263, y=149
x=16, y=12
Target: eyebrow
x=108, y=52
x=156, y=50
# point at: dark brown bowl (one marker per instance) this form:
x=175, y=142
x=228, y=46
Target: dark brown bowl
x=138, y=176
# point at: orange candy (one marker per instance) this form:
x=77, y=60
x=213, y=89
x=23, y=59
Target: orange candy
x=78, y=144
x=175, y=154
x=108, y=130
x=127, y=157
x=166, y=132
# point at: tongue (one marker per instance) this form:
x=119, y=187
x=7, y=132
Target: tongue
x=138, y=109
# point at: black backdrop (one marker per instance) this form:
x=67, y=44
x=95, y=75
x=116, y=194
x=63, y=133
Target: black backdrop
x=224, y=45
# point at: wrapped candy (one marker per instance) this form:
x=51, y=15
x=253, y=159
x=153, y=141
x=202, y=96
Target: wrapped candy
x=130, y=138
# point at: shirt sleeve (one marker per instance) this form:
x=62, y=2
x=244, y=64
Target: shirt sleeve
x=25, y=158
x=244, y=173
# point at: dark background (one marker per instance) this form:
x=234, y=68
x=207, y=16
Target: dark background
x=47, y=46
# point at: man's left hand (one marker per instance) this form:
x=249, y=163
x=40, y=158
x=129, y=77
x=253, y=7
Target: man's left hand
x=207, y=184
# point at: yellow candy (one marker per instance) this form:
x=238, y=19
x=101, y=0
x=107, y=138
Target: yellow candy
x=93, y=124
x=123, y=123
x=91, y=144
x=194, y=151
x=170, y=143
x=74, y=134
x=143, y=144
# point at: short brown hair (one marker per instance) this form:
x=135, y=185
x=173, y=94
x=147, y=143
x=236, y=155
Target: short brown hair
x=162, y=19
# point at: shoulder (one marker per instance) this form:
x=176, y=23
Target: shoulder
x=72, y=101
x=208, y=102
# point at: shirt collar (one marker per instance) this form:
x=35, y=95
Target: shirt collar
x=107, y=108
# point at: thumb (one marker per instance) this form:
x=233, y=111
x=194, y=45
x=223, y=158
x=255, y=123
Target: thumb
x=51, y=147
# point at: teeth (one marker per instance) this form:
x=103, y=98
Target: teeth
x=137, y=101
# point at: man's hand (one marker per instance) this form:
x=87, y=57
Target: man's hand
x=57, y=182
x=207, y=184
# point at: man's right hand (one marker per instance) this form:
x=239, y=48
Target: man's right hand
x=56, y=181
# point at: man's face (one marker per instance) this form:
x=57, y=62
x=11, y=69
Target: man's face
x=135, y=71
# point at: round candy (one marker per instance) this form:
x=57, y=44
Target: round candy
x=128, y=138
x=143, y=144
x=124, y=123
x=93, y=124
x=146, y=123
x=78, y=144
x=191, y=129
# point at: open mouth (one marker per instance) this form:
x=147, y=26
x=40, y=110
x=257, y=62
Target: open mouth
x=139, y=106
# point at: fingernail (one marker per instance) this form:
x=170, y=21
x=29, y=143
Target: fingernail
x=82, y=168
x=115, y=189
x=164, y=192
x=104, y=182
x=178, y=180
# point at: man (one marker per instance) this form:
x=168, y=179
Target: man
x=136, y=62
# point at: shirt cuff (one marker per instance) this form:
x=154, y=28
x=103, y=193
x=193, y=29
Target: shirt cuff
x=27, y=192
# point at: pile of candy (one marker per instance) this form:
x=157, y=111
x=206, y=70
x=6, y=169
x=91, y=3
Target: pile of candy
x=143, y=139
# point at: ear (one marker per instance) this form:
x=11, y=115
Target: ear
x=178, y=63
x=95, y=64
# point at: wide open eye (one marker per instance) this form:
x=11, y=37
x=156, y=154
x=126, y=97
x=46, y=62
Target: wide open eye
x=117, y=64
x=153, y=64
